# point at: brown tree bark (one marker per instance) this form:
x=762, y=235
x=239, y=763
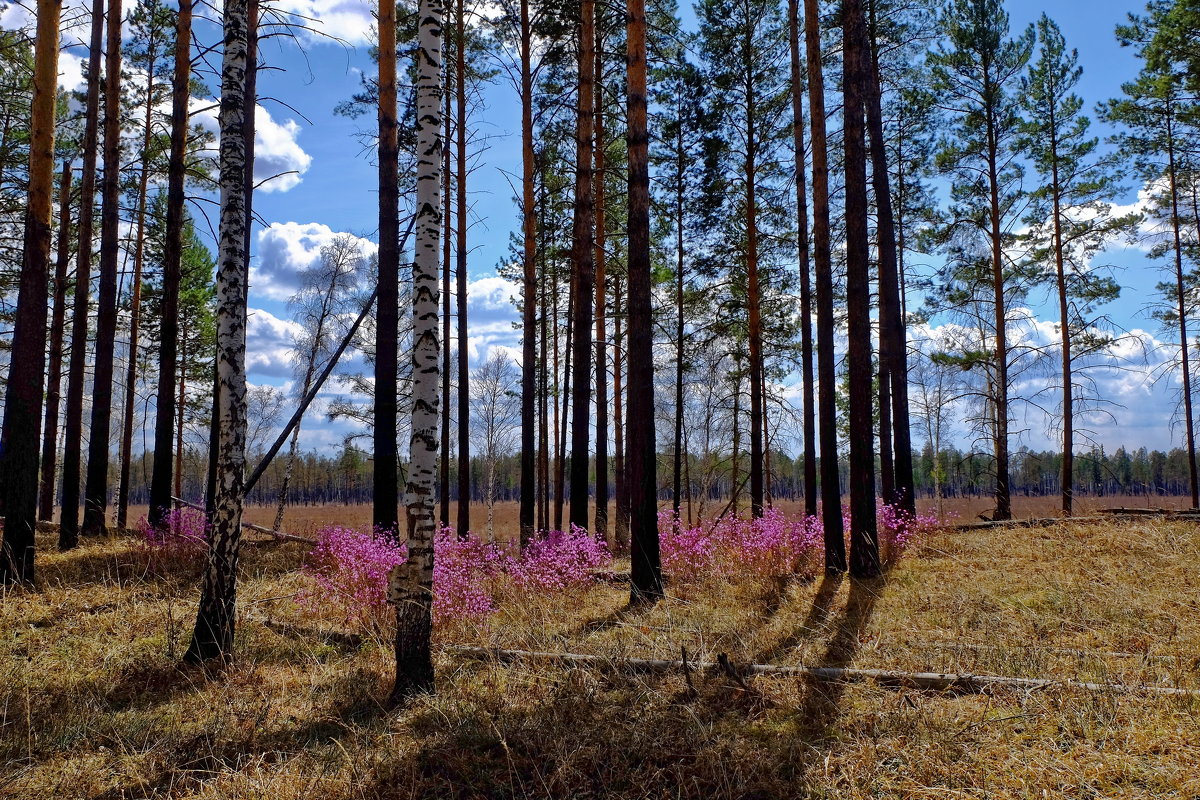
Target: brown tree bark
x=23, y=393
x=864, y=541
x=529, y=366
x=753, y=290
x=600, y=529
x=583, y=268
x=95, y=501
x=641, y=463
x=831, y=496
x=620, y=485
x=447, y=372
x=1181, y=299
x=169, y=343
x=57, y=325
x=463, y=518
x=68, y=529
x=809, y=411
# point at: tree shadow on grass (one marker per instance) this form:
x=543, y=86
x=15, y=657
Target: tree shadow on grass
x=814, y=623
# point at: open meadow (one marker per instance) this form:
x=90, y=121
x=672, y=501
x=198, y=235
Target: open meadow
x=95, y=705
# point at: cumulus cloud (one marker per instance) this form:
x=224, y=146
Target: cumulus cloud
x=279, y=160
x=348, y=20
x=286, y=248
x=269, y=341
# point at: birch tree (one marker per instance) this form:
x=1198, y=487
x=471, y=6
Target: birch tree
x=411, y=588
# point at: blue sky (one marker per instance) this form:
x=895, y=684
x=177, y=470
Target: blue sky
x=334, y=191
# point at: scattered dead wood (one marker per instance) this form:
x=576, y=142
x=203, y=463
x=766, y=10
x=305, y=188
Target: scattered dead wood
x=925, y=681
x=1064, y=651
x=279, y=535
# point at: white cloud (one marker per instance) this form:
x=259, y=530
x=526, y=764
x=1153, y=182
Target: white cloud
x=276, y=151
x=269, y=341
x=348, y=20
x=286, y=248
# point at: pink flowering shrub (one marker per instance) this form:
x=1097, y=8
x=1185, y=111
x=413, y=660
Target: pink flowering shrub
x=348, y=570
x=774, y=544
x=558, y=560
x=181, y=541
x=898, y=530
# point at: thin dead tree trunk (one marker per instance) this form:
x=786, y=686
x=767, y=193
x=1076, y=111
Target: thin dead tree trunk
x=169, y=342
x=584, y=268
x=57, y=325
x=68, y=530
x=645, y=565
x=831, y=495
x=411, y=588
x=95, y=499
x=23, y=394
x=212, y=638
x=135, y=305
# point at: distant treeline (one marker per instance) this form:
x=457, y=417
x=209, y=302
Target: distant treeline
x=344, y=476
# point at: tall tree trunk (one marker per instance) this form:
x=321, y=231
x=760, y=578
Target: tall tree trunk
x=529, y=366
x=560, y=477
x=412, y=582
x=385, y=512
x=216, y=616
x=1181, y=299
x=809, y=411
x=463, y=521
x=892, y=323
x=680, y=282
x=1000, y=392
x=95, y=500
x=23, y=394
x=57, y=324
x=68, y=529
x=641, y=464
x=1064, y=329
x=584, y=268
x=181, y=406
x=831, y=495
x=753, y=291
x=601, y=519
x=135, y=307
x=621, y=486
x=169, y=343
x=543, y=498
x=864, y=542
x=447, y=371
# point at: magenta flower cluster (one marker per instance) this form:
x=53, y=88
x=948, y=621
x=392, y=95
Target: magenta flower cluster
x=774, y=544
x=349, y=570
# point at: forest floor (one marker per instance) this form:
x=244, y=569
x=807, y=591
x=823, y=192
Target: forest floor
x=94, y=703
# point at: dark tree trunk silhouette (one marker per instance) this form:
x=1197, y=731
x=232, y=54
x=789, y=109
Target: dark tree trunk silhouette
x=68, y=529
x=600, y=530
x=57, y=325
x=529, y=364
x=641, y=463
x=753, y=290
x=23, y=393
x=560, y=468
x=165, y=406
x=95, y=497
x=620, y=486
x=583, y=268
x=463, y=520
x=447, y=371
x=831, y=496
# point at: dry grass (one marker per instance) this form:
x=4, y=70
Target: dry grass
x=95, y=706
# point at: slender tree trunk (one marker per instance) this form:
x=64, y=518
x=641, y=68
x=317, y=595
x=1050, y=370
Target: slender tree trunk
x=621, y=528
x=216, y=617
x=809, y=411
x=1064, y=330
x=645, y=566
x=753, y=291
x=23, y=394
x=529, y=366
x=680, y=282
x=95, y=503
x=57, y=324
x=385, y=513
x=181, y=406
x=294, y=448
x=135, y=309
x=169, y=342
x=68, y=531
x=543, y=522
x=891, y=306
x=412, y=582
x=831, y=495
x=864, y=543
x=584, y=268
x=1000, y=393
x=560, y=477
x=463, y=522
x=601, y=519
x=1181, y=299
x=735, y=461
x=447, y=371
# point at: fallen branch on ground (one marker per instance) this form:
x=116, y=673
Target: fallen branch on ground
x=286, y=537
x=926, y=681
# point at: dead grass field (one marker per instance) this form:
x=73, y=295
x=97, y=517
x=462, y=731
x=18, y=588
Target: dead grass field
x=94, y=703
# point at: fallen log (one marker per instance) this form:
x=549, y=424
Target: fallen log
x=285, y=537
x=925, y=681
